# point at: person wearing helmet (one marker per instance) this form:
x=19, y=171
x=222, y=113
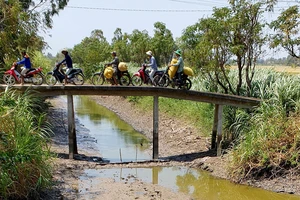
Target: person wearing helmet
x=179, y=64
x=67, y=61
x=152, y=64
x=27, y=65
x=115, y=63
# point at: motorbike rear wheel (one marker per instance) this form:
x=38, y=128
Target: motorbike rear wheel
x=187, y=84
x=136, y=80
x=124, y=79
x=98, y=79
x=9, y=79
x=78, y=79
x=50, y=79
x=37, y=79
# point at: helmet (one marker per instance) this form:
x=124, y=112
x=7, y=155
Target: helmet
x=178, y=52
x=114, y=53
x=149, y=53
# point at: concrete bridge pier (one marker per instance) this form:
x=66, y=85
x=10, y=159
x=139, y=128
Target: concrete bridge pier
x=155, y=128
x=71, y=128
x=216, y=138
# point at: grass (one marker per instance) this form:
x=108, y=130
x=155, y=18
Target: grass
x=24, y=168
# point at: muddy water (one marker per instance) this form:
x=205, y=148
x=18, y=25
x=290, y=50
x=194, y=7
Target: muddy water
x=118, y=141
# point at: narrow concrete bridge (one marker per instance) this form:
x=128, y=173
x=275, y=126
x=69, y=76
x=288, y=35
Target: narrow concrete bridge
x=219, y=100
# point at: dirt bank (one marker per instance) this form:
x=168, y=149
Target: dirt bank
x=178, y=142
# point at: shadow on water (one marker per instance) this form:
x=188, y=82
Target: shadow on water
x=200, y=185
x=118, y=141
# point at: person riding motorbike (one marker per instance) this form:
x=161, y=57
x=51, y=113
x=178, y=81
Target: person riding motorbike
x=152, y=64
x=115, y=64
x=179, y=64
x=27, y=65
x=68, y=61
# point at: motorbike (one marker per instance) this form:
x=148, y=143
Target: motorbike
x=75, y=76
x=34, y=76
x=142, y=76
x=165, y=80
x=106, y=75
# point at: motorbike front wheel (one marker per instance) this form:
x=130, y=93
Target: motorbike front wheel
x=98, y=79
x=161, y=81
x=9, y=79
x=78, y=79
x=136, y=80
x=37, y=79
x=124, y=80
x=50, y=79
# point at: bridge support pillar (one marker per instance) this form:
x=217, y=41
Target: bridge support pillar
x=71, y=128
x=217, y=129
x=155, y=128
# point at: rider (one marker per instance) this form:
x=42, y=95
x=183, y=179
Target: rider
x=27, y=65
x=179, y=64
x=115, y=64
x=68, y=61
x=152, y=64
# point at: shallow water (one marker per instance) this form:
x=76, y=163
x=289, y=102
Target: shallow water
x=118, y=141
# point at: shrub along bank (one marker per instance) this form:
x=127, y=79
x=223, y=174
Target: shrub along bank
x=24, y=153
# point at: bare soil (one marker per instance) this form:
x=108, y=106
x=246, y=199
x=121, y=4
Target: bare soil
x=179, y=143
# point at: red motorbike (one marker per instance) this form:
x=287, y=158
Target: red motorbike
x=34, y=76
x=142, y=76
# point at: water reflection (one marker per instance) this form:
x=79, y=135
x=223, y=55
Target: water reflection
x=116, y=140
x=200, y=185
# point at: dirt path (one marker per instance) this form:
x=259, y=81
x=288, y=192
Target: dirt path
x=178, y=142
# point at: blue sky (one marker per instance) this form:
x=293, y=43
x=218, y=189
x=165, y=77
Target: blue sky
x=81, y=17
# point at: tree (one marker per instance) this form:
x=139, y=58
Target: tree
x=162, y=43
x=91, y=51
x=286, y=28
x=232, y=33
x=120, y=43
x=20, y=22
x=139, y=44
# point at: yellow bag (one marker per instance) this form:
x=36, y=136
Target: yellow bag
x=172, y=71
x=188, y=71
x=108, y=72
x=174, y=61
x=122, y=66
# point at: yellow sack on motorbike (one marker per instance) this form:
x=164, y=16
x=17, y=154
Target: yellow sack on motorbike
x=122, y=66
x=108, y=72
x=188, y=71
x=174, y=61
x=173, y=69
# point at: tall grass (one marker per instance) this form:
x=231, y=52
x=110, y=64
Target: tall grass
x=24, y=154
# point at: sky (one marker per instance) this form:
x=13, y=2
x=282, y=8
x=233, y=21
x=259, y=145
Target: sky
x=81, y=17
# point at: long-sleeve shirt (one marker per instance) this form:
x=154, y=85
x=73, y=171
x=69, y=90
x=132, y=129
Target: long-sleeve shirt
x=152, y=63
x=68, y=61
x=180, y=65
x=115, y=62
x=25, y=61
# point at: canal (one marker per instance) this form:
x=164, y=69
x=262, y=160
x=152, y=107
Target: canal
x=119, y=142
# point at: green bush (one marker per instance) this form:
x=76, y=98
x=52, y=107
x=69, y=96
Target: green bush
x=24, y=154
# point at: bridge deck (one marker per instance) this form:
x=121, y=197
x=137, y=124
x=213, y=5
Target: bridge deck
x=208, y=97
